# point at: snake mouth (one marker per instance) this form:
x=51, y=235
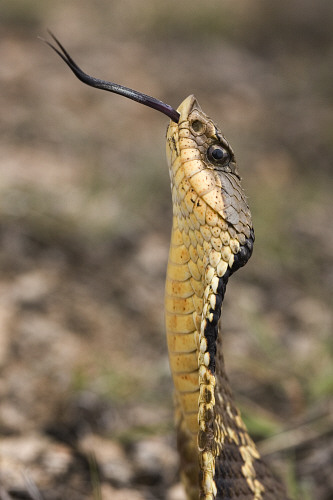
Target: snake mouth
x=144, y=99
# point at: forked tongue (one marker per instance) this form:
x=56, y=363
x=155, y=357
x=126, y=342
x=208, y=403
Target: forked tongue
x=151, y=102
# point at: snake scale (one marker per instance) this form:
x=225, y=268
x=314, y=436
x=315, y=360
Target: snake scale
x=212, y=237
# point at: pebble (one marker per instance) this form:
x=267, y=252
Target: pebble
x=33, y=459
x=155, y=460
x=176, y=492
x=110, y=493
x=110, y=457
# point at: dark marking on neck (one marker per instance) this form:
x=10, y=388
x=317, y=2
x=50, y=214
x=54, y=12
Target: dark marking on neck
x=212, y=328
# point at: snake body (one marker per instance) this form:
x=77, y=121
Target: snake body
x=212, y=237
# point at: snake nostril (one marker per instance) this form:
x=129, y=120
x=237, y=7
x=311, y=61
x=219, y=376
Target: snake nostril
x=198, y=127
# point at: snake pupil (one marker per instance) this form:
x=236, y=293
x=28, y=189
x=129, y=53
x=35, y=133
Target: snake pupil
x=217, y=154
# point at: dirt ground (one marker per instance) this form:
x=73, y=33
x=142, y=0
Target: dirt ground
x=85, y=216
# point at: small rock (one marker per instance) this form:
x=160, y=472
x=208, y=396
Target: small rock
x=31, y=288
x=32, y=458
x=23, y=449
x=57, y=459
x=110, y=458
x=109, y=493
x=154, y=460
x=11, y=418
x=176, y=492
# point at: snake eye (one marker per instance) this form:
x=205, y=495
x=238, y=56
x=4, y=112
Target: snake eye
x=218, y=155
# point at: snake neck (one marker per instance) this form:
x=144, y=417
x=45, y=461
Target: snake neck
x=218, y=458
x=207, y=417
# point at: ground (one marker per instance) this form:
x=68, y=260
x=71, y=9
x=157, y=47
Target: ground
x=85, y=218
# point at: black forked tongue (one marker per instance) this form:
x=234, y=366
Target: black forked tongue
x=109, y=86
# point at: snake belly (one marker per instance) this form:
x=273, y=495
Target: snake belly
x=212, y=236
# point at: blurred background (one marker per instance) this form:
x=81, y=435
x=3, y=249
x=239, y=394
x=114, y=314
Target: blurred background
x=85, y=219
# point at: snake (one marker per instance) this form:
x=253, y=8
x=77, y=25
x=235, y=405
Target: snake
x=212, y=237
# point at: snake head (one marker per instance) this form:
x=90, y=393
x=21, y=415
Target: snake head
x=216, y=150
x=202, y=165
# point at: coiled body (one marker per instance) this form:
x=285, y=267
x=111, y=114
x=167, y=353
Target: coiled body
x=212, y=236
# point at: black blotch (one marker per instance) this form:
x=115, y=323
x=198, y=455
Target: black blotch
x=174, y=144
x=216, y=315
x=211, y=330
x=244, y=253
x=218, y=302
x=229, y=478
